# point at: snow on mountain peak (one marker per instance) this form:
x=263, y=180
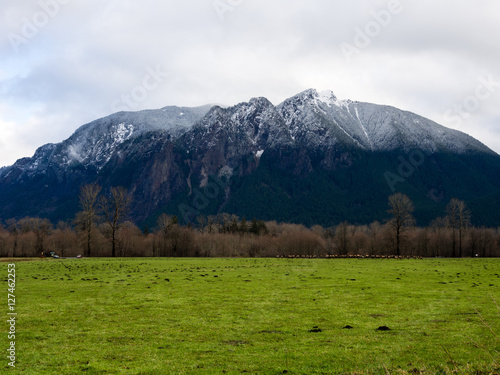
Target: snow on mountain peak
x=327, y=97
x=313, y=118
x=317, y=97
x=123, y=132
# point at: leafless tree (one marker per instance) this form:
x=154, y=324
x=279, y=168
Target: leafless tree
x=202, y=222
x=3, y=242
x=342, y=237
x=374, y=230
x=438, y=237
x=165, y=223
x=89, y=213
x=243, y=228
x=457, y=218
x=474, y=241
x=233, y=226
x=63, y=239
x=164, y=226
x=170, y=235
x=225, y=222
x=40, y=227
x=115, y=209
x=13, y=228
x=401, y=208
x=422, y=242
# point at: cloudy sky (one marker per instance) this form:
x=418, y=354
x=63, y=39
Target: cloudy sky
x=64, y=63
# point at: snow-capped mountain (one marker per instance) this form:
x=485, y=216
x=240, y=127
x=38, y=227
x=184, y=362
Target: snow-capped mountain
x=308, y=159
x=93, y=144
x=320, y=119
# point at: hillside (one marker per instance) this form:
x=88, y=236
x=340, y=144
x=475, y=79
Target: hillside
x=313, y=159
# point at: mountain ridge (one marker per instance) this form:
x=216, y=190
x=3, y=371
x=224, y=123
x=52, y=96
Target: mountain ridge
x=164, y=156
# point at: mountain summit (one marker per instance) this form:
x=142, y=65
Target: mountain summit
x=311, y=159
x=370, y=126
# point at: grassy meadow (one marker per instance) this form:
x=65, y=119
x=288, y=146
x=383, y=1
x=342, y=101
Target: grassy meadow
x=256, y=316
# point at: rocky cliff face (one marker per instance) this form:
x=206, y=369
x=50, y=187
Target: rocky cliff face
x=311, y=159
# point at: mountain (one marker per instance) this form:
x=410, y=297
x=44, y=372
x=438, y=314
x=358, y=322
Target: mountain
x=310, y=116
x=312, y=159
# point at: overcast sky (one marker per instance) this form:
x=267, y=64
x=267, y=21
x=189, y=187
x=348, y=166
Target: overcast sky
x=64, y=63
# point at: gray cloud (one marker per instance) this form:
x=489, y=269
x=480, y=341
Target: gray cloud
x=73, y=68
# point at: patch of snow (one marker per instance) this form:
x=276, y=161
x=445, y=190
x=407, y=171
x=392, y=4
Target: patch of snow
x=123, y=132
x=360, y=123
x=226, y=172
x=327, y=97
x=204, y=181
x=349, y=135
x=259, y=153
x=74, y=153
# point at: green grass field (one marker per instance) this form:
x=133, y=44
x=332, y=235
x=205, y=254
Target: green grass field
x=256, y=316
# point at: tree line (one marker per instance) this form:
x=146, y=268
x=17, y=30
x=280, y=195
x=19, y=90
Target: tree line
x=102, y=228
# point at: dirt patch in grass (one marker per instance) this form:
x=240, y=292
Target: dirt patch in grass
x=236, y=342
x=315, y=329
x=383, y=328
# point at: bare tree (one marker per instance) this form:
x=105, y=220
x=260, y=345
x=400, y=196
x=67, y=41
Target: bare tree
x=233, y=225
x=63, y=239
x=3, y=242
x=88, y=215
x=211, y=223
x=40, y=227
x=374, y=230
x=342, y=237
x=115, y=209
x=457, y=218
x=169, y=230
x=422, y=242
x=202, y=222
x=13, y=228
x=243, y=228
x=165, y=223
x=401, y=208
x=164, y=226
x=438, y=237
x=225, y=219
x=474, y=241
